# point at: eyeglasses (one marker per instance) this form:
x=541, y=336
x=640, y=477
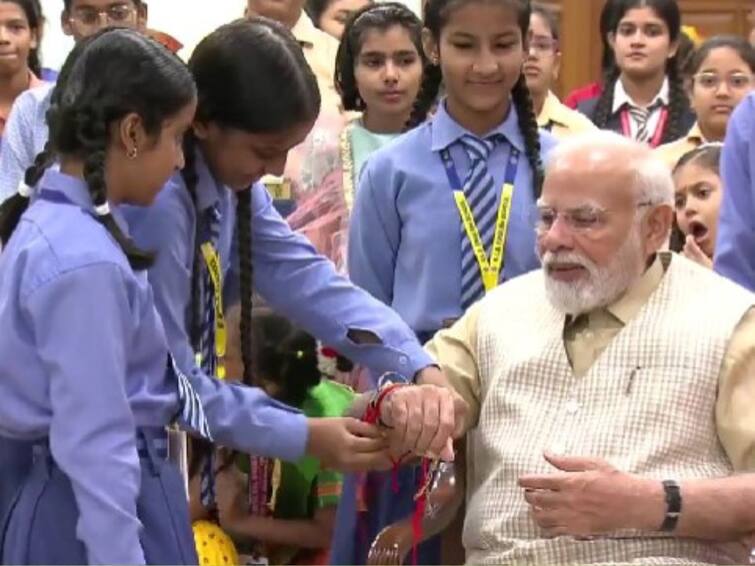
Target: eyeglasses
x=114, y=14
x=735, y=81
x=582, y=219
x=543, y=44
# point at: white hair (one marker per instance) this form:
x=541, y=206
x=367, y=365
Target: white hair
x=653, y=183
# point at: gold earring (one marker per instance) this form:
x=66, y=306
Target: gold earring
x=132, y=153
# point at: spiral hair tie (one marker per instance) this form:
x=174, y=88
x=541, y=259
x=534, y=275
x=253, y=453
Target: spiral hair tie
x=24, y=190
x=103, y=209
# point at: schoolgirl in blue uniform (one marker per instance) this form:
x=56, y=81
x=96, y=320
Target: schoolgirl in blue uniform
x=243, y=130
x=214, y=223
x=443, y=213
x=85, y=370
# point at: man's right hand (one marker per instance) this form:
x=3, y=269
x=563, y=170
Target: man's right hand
x=347, y=444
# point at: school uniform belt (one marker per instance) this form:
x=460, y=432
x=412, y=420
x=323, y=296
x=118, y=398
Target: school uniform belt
x=154, y=438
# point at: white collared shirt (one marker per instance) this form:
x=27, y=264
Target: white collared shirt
x=320, y=51
x=620, y=98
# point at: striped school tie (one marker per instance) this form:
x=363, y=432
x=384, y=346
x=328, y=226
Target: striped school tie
x=191, y=416
x=192, y=419
x=641, y=117
x=479, y=189
x=207, y=351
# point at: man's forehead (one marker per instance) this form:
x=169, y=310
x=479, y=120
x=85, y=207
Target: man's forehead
x=583, y=178
x=618, y=159
x=101, y=3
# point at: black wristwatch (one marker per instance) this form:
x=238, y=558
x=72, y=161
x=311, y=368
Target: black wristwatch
x=673, y=494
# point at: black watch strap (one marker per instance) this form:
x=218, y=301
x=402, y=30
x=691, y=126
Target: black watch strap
x=673, y=494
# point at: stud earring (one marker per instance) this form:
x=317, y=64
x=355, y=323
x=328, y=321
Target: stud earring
x=133, y=153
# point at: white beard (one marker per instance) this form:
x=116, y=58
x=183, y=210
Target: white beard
x=602, y=286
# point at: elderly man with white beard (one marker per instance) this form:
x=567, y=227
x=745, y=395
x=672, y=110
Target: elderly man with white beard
x=616, y=361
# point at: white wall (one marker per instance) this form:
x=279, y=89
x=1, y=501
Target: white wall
x=187, y=20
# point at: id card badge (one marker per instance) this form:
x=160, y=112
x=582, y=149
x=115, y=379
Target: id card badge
x=282, y=194
x=278, y=187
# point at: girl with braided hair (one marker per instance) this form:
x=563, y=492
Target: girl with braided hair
x=430, y=206
x=218, y=240
x=83, y=365
x=643, y=95
x=722, y=74
x=379, y=71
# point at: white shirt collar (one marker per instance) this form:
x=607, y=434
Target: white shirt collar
x=620, y=96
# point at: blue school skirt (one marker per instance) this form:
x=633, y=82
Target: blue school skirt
x=15, y=464
x=41, y=525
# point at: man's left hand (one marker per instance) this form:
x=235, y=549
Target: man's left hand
x=588, y=496
x=422, y=419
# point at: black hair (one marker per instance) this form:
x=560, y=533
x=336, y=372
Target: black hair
x=668, y=11
x=67, y=4
x=380, y=16
x=316, y=8
x=737, y=44
x=436, y=17
x=707, y=156
x=606, y=25
x=227, y=66
x=33, y=11
x=550, y=19
x=90, y=96
x=684, y=53
x=284, y=355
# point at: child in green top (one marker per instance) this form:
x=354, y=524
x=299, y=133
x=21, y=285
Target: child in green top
x=291, y=513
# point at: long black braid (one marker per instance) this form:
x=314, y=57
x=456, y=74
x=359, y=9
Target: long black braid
x=94, y=143
x=678, y=103
x=15, y=206
x=244, y=235
x=432, y=78
x=191, y=180
x=603, y=107
x=520, y=96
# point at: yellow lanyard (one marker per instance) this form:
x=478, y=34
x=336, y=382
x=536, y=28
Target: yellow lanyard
x=212, y=261
x=490, y=266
